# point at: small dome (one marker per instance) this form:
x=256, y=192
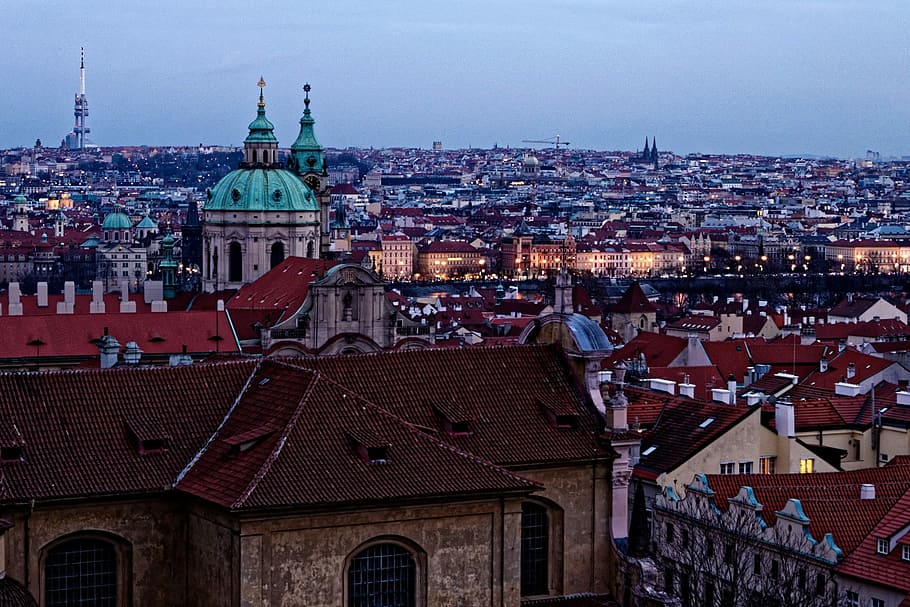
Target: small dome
x=261, y=189
x=14, y=594
x=147, y=224
x=20, y=199
x=117, y=221
x=531, y=160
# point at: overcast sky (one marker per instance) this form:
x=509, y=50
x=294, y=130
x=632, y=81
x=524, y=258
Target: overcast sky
x=827, y=77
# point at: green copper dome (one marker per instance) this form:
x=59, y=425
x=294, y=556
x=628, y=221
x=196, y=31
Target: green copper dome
x=117, y=221
x=147, y=224
x=261, y=189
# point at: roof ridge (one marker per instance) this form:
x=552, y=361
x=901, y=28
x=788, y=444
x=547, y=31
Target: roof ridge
x=227, y=416
x=267, y=465
x=418, y=430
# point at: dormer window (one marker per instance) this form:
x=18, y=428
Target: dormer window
x=560, y=415
x=244, y=441
x=881, y=546
x=10, y=454
x=456, y=420
x=147, y=436
x=905, y=552
x=371, y=448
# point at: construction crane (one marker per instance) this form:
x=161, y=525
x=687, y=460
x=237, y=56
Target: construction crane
x=554, y=141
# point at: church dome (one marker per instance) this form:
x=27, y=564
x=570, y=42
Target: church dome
x=261, y=189
x=117, y=221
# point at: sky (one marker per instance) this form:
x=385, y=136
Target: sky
x=774, y=77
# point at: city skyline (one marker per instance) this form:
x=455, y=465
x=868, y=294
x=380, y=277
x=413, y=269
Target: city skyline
x=783, y=78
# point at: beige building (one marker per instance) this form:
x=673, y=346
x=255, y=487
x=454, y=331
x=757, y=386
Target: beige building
x=397, y=261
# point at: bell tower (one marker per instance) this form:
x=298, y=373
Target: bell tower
x=308, y=161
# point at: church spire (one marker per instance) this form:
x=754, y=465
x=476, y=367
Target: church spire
x=260, y=146
x=307, y=156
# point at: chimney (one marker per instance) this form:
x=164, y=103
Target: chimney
x=867, y=491
x=15, y=303
x=42, y=294
x=785, y=419
x=663, y=385
x=720, y=395
x=687, y=389
x=851, y=371
x=731, y=388
x=110, y=350
x=126, y=306
x=67, y=306
x=823, y=364
x=97, y=305
x=132, y=353
x=843, y=388
x=903, y=397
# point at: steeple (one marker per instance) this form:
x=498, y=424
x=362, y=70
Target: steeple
x=307, y=156
x=653, y=157
x=168, y=266
x=563, y=294
x=646, y=154
x=260, y=147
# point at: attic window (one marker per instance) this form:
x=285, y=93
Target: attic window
x=456, y=419
x=706, y=423
x=559, y=414
x=369, y=446
x=244, y=441
x=10, y=454
x=148, y=436
x=881, y=546
x=649, y=450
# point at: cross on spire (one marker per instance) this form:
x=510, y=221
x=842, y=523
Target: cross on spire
x=306, y=98
x=261, y=85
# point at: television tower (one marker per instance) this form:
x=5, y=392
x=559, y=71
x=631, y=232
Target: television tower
x=81, y=108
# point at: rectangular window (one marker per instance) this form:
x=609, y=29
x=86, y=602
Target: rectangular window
x=801, y=579
x=709, y=548
x=874, y=602
x=775, y=569
x=905, y=553
x=745, y=467
x=756, y=564
x=807, y=465
x=727, y=467
x=852, y=599
x=668, y=581
x=766, y=464
x=708, y=593
x=881, y=546
x=820, y=585
x=685, y=538
x=669, y=533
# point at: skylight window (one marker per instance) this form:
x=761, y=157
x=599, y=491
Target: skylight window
x=649, y=450
x=706, y=423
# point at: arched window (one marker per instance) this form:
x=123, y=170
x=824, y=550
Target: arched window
x=235, y=263
x=254, y=156
x=309, y=249
x=277, y=254
x=535, y=548
x=383, y=574
x=81, y=571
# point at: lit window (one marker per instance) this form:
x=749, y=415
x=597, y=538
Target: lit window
x=766, y=464
x=881, y=546
x=807, y=465
x=727, y=467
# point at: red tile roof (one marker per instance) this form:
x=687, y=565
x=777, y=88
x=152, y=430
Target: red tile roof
x=292, y=439
x=632, y=301
x=825, y=498
x=76, y=336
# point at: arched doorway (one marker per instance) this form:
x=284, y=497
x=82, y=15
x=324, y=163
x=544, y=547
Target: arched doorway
x=277, y=254
x=235, y=263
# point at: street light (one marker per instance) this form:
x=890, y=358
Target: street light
x=707, y=260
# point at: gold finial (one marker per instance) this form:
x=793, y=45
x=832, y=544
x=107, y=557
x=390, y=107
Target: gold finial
x=261, y=85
